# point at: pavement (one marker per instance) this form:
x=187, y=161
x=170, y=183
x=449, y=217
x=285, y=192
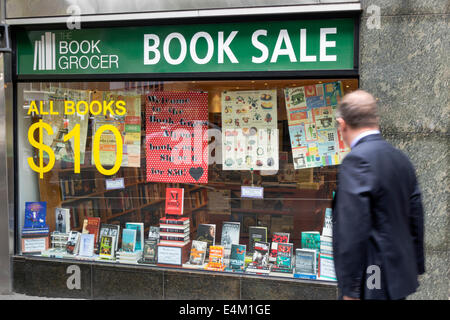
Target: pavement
x=18, y=296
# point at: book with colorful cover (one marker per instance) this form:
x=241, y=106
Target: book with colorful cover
x=311, y=240
x=153, y=232
x=110, y=230
x=284, y=256
x=326, y=267
x=230, y=234
x=170, y=222
x=277, y=237
x=35, y=217
x=91, y=225
x=72, y=241
x=327, y=229
x=174, y=201
x=128, y=240
x=107, y=247
x=139, y=227
x=198, y=252
x=237, y=257
x=261, y=254
x=256, y=234
x=62, y=220
x=215, y=262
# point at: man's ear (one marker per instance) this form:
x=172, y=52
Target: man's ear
x=341, y=123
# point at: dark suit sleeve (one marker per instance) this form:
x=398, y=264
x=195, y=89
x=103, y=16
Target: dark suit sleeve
x=416, y=225
x=353, y=224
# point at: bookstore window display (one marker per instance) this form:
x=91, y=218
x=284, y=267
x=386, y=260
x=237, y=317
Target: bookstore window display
x=230, y=176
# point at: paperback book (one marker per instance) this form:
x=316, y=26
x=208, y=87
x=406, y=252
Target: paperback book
x=91, y=225
x=62, y=220
x=35, y=219
x=72, y=242
x=305, y=263
x=237, y=257
x=139, y=227
x=277, y=237
x=110, y=230
x=215, y=262
x=207, y=233
x=153, y=232
x=107, y=247
x=150, y=250
x=260, y=259
x=256, y=234
x=198, y=252
x=284, y=258
x=87, y=242
x=128, y=240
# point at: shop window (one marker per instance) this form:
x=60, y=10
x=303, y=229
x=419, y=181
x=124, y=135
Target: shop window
x=277, y=138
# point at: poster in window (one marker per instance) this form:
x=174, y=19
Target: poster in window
x=249, y=130
x=177, y=137
x=314, y=137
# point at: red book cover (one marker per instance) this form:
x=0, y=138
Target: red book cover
x=174, y=201
x=91, y=225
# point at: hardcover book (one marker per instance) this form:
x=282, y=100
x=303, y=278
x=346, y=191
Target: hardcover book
x=311, y=240
x=169, y=222
x=91, y=225
x=237, y=257
x=139, y=227
x=35, y=216
x=128, y=240
x=256, y=234
x=62, y=220
x=305, y=263
x=110, y=230
x=107, y=247
x=150, y=250
x=327, y=229
x=198, y=252
x=207, y=233
x=174, y=201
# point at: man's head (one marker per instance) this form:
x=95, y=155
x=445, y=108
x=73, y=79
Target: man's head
x=357, y=113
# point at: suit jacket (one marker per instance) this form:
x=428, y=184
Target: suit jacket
x=377, y=223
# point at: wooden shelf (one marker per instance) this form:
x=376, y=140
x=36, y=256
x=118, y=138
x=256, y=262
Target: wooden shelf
x=133, y=209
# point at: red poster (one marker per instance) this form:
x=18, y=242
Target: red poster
x=176, y=137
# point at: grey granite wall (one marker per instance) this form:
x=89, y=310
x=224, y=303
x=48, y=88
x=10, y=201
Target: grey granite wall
x=405, y=64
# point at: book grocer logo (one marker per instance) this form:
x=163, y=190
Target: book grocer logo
x=70, y=54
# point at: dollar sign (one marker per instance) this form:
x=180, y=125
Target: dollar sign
x=42, y=147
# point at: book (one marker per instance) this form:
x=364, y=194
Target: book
x=174, y=201
x=139, y=227
x=277, y=237
x=110, y=230
x=87, y=241
x=256, y=234
x=326, y=245
x=107, y=247
x=260, y=254
x=91, y=225
x=177, y=243
x=326, y=267
x=230, y=234
x=128, y=240
x=198, y=252
x=207, y=233
x=284, y=257
x=311, y=240
x=169, y=221
x=153, y=232
x=305, y=263
x=215, y=262
x=62, y=220
x=35, y=217
x=237, y=257
x=327, y=229
x=150, y=250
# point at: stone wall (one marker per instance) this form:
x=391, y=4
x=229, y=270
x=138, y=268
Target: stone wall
x=405, y=64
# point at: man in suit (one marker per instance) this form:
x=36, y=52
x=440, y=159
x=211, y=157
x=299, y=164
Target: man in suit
x=377, y=210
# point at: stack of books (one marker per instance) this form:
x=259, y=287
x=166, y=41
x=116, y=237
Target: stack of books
x=128, y=257
x=174, y=231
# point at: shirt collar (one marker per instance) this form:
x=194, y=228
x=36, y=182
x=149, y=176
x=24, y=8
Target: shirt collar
x=362, y=135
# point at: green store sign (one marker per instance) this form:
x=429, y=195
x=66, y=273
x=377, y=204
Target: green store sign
x=227, y=47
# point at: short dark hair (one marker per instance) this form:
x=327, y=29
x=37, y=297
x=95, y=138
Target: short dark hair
x=359, y=110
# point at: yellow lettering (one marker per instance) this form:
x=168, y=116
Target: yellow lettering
x=120, y=108
x=69, y=105
x=33, y=108
x=107, y=106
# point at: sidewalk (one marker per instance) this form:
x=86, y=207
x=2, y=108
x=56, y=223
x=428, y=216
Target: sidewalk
x=18, y=296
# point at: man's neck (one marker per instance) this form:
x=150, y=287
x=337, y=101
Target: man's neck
x=357, y=133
